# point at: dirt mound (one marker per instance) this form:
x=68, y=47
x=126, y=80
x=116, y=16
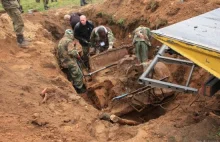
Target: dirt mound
x=123, y=16
x=24, y=74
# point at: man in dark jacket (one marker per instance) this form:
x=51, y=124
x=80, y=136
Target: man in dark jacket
x=82, y=32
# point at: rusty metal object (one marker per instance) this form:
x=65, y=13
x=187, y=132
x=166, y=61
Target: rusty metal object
x=122, y=121
x=141, y=99
x=115, y=119
x=108, y=57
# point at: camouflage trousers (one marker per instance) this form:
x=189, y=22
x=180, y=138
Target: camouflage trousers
x=141, y=51
x=74, y=75
x=85, y=50
x=17, y=20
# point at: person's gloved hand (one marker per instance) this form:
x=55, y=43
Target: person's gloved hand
x=110, y=47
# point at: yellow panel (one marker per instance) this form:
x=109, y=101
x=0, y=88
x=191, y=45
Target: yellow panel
x=207, y=59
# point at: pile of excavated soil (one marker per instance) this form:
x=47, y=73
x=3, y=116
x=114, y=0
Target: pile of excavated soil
x=123, y=16
x=65, y=116
x=24, y=73
x=149, y=12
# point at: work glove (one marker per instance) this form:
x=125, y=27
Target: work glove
x=110, y=47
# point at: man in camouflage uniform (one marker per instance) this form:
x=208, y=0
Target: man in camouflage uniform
x=12, y=9
x=141, y=42
x=67, y=56
x=102, y=38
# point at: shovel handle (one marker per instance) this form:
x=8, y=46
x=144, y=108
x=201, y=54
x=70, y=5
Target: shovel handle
x=111, y=65
x=101, y=69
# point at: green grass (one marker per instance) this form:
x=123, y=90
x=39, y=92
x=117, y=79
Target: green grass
x=32, y=4
x=121, y=22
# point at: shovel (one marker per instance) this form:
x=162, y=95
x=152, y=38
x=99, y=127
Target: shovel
x=103, y=68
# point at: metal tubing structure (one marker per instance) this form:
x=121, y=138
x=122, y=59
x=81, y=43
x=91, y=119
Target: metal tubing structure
x=162, y=84
x=196, y=38
x=190, y=75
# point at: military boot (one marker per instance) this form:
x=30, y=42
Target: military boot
x=21, y=9
x=21, y=41
x=81, y=90
x=46, y=7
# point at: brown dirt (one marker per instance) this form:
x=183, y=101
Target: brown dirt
x=66, y=117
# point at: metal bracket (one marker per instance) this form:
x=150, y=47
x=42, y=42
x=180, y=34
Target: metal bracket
x=162, y=84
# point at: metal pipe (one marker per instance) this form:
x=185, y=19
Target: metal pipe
x=190, y=75
x=174, y=61
x=162, y=50
x=150, y=67
x=153, y=63
x=162, y=84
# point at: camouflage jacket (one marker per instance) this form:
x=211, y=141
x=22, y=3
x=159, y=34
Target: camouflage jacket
x=142, y=31
x=9, y=4
x=66, y=52
x=95, y=39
